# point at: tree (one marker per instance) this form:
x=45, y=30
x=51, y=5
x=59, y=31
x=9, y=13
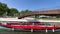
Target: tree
x=13, y=12
x=3, y=8
x=25, y=11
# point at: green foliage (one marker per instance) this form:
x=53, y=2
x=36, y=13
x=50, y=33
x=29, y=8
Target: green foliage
x=10, y=12
x=25, y=11
x=13, y=11
x=3, y=8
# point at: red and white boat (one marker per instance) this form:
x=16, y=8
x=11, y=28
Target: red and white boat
x=30, y=26
x=25, y=24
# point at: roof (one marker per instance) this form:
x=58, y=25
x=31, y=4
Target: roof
x=40, y=12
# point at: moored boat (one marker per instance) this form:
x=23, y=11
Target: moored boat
x=29, y=26
x=32, y=26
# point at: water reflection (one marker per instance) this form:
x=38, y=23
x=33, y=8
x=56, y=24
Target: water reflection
x=18, y=32
x=39, y=32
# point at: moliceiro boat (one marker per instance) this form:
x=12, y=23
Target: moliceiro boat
x=30, y=26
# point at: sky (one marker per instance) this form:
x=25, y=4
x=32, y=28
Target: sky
x=32, y=4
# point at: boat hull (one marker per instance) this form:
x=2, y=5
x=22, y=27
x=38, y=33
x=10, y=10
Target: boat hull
x=29, y=27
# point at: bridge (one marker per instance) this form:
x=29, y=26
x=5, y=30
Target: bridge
x=45, y=12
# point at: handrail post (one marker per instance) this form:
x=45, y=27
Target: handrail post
x=32, y=27
x=46, y=30
x=31, y=30
x=53, y=30
x=13, y=29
